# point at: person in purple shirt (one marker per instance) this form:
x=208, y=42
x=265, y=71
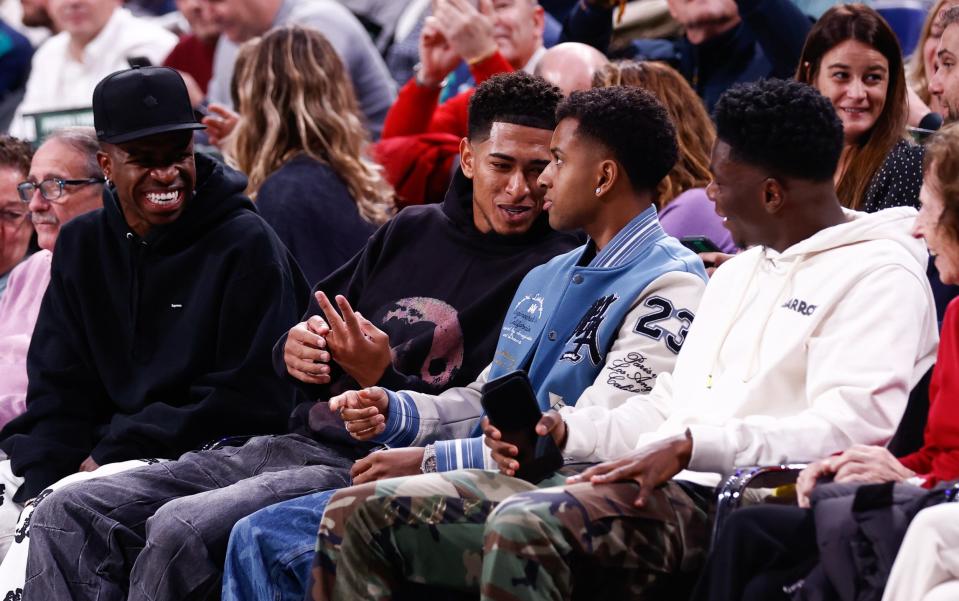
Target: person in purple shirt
x=691, y=214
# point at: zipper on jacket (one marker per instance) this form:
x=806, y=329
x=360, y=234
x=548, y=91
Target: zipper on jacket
x=137, y=248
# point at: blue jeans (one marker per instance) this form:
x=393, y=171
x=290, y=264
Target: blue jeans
x=271, y=551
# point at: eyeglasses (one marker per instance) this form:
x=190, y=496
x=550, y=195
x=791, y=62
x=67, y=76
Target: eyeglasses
x=52, y=189
x=14, y=215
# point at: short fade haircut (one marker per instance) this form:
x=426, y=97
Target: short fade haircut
x=783, y=126
x=83, y=140
x=15, y=154
x=632, y=124
x=517, y=98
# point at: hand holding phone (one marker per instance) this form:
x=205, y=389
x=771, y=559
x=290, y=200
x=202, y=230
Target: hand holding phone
x=513, y=413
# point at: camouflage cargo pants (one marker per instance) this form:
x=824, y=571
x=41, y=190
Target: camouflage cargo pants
x=480, y=531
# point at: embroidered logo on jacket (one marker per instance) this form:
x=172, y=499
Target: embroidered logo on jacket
x=519, y=326
x=631, y=373
x=586, y=329
x=801, y=307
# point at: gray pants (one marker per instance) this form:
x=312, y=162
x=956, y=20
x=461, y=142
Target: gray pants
x=161, y=531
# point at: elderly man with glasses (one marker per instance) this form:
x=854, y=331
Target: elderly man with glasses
x=62, y=181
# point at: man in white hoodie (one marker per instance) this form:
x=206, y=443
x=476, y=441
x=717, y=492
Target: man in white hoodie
x=804, y=345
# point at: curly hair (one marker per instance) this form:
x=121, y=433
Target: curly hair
x=15, y=154
x=695, y=130
x=784, y=126
x=518, y=98
x=294, y=97
x=942, y=163
x=863, y=24
x=632, y=124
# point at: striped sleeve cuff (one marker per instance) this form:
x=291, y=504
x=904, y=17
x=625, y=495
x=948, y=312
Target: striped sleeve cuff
x=459, y=454
x=402, y=421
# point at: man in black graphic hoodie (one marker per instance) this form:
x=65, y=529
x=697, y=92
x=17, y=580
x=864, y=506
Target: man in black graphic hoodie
x=436, y=281
x=154, y=335
x=435, y=286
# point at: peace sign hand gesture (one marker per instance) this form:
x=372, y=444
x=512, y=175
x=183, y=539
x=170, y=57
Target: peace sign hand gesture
x=359, y=347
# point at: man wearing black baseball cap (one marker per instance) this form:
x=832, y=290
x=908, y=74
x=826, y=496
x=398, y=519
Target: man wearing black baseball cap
x=155, y=333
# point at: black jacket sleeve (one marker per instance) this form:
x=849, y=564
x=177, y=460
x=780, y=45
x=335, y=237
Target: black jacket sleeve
x=590, y=25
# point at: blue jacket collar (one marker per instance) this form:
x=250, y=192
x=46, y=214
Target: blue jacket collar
x=641, y=231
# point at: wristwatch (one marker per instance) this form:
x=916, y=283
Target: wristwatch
x=429, y=460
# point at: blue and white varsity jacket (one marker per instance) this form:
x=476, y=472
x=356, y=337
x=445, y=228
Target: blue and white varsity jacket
x=587, y=335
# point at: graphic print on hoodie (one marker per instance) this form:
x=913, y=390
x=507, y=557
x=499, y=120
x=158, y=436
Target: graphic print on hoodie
x=151, y=347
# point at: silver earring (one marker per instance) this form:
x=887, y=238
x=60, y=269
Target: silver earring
x=107, y=182
x=599, y=191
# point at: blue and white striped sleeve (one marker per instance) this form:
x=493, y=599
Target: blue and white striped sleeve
x=463, y=453
x=402, y=421
x=415, y=419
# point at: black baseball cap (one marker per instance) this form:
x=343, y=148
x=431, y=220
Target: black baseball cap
x=140, y=102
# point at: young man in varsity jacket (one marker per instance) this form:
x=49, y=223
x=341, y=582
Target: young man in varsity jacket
x=591, y=327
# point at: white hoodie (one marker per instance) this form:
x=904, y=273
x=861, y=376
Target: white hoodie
x=793, y=356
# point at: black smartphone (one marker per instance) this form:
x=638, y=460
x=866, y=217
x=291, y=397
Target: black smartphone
x=510, y=404
x=699, y=244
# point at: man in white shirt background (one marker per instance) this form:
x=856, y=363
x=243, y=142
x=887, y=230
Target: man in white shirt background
x=97, y=37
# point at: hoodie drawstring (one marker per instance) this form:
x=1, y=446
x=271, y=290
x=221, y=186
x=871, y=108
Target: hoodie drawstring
x=752, y=365
x=731, y=321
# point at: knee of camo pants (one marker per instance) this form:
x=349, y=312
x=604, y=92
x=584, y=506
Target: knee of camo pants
x=525, y=545
x=330, y=537
x=536, y=541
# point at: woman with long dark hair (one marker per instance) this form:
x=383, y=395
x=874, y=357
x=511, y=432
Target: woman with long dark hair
x=853, y=58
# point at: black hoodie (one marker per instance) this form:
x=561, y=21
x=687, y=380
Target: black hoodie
x=151, y=347
x=439, y=288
